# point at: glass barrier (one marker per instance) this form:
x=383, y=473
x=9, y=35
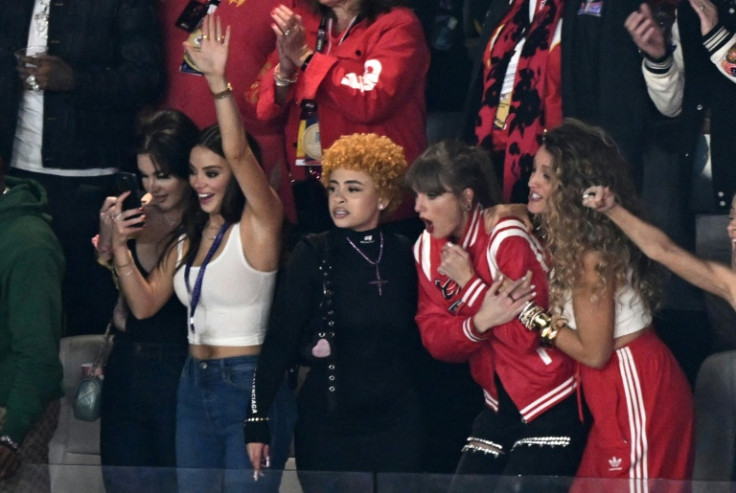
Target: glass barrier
x=41, y=478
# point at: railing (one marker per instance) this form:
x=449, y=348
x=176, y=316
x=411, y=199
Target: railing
x=41, y=478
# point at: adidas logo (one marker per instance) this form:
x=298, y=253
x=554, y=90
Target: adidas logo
x=615, y=463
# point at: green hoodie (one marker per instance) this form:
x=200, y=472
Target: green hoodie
x=31, y=272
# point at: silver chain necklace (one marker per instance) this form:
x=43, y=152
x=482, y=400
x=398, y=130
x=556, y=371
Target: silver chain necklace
x=42, y=18
x=379, y=282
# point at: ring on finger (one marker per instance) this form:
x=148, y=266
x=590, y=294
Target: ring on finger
x=205, y=37
x=221, y=39
x=287, y=32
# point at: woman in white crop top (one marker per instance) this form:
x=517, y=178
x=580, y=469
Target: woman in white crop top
x=639, y=398
x=222, y=267
x=713, y=390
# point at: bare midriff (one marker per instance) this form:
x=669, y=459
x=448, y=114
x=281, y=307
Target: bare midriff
x=203, y=351
x=622, y=341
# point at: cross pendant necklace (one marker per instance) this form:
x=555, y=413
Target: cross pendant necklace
x=379, y=282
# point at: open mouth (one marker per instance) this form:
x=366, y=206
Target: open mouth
x=428, y=225
x=339, y=213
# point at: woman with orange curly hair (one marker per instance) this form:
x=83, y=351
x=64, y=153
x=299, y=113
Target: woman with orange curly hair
x=606, y=290
x=345, y=308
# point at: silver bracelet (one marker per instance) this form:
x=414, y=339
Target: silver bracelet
x=9, y=442
x=282, y=81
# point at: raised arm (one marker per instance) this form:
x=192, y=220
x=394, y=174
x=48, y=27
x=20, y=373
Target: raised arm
x=711, y=276
x=662, y=64
x=717, y=38
x=263, y=210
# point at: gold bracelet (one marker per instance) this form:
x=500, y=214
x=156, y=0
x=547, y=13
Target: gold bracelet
x=549, y=334
x=224, y=93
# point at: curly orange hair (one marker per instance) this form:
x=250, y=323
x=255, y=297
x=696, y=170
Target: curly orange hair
x=374, y=154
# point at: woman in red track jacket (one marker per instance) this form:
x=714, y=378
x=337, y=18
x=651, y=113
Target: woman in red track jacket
x=531, y=423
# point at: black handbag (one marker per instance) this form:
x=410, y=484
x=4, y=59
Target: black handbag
x=88, y=397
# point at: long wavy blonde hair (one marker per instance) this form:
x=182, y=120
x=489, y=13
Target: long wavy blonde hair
x=582, y=156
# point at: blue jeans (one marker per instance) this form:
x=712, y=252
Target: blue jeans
x=210, y=446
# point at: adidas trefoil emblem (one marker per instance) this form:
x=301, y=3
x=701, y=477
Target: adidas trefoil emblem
x=615, y=463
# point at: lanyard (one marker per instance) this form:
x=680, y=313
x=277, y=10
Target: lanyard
x=325, y=25
x=195, y=294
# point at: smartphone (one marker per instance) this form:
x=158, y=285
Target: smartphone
x=124, y=182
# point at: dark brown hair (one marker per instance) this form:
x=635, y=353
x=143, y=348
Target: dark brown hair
x=453, y=166
x=367, y=9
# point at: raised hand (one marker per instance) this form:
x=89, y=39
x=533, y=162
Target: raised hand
x=708, y=14
x=599, y=198
x=291, y=39
x=646, y=33
x=126, y=224
x=211, y=56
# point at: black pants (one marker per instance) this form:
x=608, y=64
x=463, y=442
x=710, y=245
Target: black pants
x=336, y=456
x=138, y=423
x=74, y=203
x=550, y=445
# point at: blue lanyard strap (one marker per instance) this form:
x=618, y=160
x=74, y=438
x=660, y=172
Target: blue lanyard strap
x=194, y=294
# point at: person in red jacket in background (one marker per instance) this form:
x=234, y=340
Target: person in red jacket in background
x=348, y=66
x=253, y=41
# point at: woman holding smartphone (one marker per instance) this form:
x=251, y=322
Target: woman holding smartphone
x=223, y=268
x=143, y=369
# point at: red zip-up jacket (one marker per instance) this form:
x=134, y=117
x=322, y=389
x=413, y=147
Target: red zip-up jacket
x=372, y=80
x=536, y=378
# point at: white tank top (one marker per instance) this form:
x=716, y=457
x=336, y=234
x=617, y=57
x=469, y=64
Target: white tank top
x=630, y=313
x=235, y=301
